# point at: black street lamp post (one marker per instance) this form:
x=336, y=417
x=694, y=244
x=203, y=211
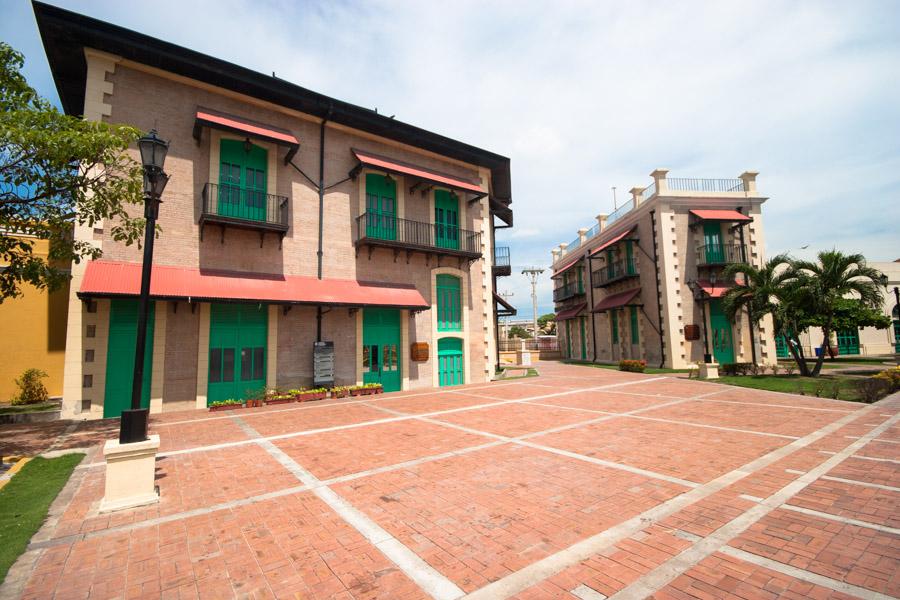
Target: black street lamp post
x=133, y=425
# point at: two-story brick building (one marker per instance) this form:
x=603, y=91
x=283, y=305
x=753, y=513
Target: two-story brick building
x=645, y=282
x=289, y=218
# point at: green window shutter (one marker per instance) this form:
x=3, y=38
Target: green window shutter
x=629, y=257
x=449, y=308
x=611, y=263
x=446, y=219
x=614, y=322
x=712, y=238
x=580, y=280
x=243, y=181
x=381, y=207
x=635, y=333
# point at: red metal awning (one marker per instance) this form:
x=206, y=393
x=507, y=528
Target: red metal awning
x=731, y=216
x=107, y=278
x=567, y=267
x=713, y=290
x=617, y=300
x=618, y=238
x=208, y=118
x=570, y=313
x=395, y=166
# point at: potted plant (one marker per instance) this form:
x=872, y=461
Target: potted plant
x=366, y=389
x=340, y=391
x=310, y=394
x=281, y=397
x=229, y=404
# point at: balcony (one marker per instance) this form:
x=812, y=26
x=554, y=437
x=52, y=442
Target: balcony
x=710, y=255
x=375, y=230
x=618, y=271
x=231, y=206
x=695, y=184
x=502, y=267
x=569, y=290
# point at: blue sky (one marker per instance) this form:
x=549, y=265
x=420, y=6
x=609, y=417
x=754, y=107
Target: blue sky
x=583, y=96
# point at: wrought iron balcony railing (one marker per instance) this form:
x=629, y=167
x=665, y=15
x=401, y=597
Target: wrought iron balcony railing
x=617, y=271
x=695, y=184
x=501, y=261
x=232, y=205
x=719, y=254
x=373, y=229
x=568, y=290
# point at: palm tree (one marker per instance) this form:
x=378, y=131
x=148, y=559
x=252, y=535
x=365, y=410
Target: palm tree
x=765, y=291
x=821, y=285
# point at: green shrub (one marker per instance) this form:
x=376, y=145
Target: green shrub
x=633, y=366
x=737, y=368
x=891, y=377
x=31, y=388
x=228, y=402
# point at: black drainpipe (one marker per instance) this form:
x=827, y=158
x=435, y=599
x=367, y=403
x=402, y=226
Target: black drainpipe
x=749, y=310
x=662, y=340
x=319, y=253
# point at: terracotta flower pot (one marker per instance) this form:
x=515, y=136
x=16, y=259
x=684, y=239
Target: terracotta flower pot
x=280, y=400
x=225, y=407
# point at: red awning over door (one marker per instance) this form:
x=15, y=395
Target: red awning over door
x=216, y=120
x=618, y=238
x=395, y=166
x=731, y=216
x=570, y=313
x=617, y=300
x=107, y=278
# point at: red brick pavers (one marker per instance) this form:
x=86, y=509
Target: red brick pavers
x=472, y=485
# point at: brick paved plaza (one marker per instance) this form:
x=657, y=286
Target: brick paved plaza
x=581, y=483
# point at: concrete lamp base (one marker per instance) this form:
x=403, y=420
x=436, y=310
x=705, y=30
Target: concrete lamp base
x=130, y=474
x=709, y=370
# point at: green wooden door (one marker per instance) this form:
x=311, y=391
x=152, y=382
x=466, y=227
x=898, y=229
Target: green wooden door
x=896, y=336
x=610, y=264
x=720, y=333
x=635, y=327
x=238, y=334
x=448, y=303
x=614, y=325
x=450, y=362
x=242, y=181
x=583, y=340
x=121, y=345
x=381, y=347
x=629, y=258
x=381, y=207
x=712, y=240
x=446, y=219
x=568, y=338
x=781, y=346
x=848, y=341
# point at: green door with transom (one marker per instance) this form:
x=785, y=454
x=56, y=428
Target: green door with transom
x=568, y=338
x=381, y=207
x=238, y=335
x=120, y=349
x=242, y=180
x=712, y=240
x=848, y=341
x=450, y=362
x=720, y=333
x=446, y=219
x=583, y=339
x=781, y=346
x=381, y=347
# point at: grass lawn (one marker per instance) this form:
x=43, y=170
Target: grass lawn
x=794, y=384
x=25, y=500
x=650, y=370
x=8, y=409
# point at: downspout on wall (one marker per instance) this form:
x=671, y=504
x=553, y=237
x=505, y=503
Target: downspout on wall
x=320, y=252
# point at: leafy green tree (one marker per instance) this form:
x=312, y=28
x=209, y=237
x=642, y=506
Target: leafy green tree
x=547, y=323
x=56, y=172
x=517, y=331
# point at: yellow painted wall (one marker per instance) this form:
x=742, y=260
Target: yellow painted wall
x=33, y=334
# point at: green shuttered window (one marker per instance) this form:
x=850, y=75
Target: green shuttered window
x=448, y=303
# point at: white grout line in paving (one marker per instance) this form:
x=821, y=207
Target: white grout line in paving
x=859, y=456
x=797, y=573
x=544, y=568
x=597, y=461
x=583, y=592
x=878, y=486
x=673, y=421
x=424, y=575
x=662, y=575
x=840, y=519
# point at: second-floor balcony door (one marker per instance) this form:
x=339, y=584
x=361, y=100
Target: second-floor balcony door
x=712, y=240
x=381, y=207
x=242, y=180
x=446, y=219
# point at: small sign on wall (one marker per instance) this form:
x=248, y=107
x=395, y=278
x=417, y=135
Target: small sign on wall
x=418, y=351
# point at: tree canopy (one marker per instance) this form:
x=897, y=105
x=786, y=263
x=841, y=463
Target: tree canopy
x=56, y=172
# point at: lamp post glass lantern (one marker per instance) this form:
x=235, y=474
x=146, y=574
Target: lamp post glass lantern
x=133, y=423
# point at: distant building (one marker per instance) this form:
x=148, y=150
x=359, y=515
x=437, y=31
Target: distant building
x=34, y=332
x=645, y=282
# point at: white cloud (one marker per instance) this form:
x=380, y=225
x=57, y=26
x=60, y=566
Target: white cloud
x=583, y=96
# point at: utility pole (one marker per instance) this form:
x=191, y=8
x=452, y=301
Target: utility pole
x=615, y=204
x=533, y=272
